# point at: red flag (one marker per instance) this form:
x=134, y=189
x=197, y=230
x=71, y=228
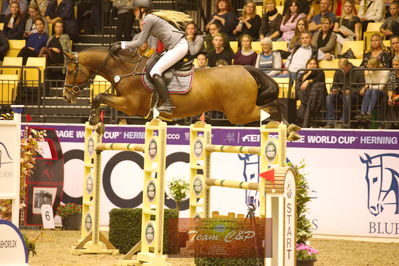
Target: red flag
x=102, y=116
x=268, y=175
x=28, y=118
x=202, y=118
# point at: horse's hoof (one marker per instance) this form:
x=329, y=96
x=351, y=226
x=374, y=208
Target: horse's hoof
x=293, y=136
x=93, y=120
x=293, y=127
x=100, y=128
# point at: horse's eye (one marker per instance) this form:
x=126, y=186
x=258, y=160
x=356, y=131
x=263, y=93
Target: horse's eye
x=375, y=179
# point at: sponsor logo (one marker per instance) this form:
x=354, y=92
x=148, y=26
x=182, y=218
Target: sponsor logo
x=382, y=178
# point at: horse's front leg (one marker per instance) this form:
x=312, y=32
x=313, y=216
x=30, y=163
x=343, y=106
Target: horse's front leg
x=113, y=101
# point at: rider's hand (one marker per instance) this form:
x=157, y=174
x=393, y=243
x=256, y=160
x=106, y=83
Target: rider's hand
x=116, y=46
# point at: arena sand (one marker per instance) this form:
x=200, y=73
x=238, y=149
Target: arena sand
x=54, y=248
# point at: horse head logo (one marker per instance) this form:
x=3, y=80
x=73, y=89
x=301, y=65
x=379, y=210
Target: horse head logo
x=382, y=181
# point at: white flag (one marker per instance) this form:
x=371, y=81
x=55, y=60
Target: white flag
x=263, y=115
x=155, y=113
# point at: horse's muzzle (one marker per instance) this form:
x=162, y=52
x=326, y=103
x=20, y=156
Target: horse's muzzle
x=69, y=97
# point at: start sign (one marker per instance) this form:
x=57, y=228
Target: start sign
x=13, y=250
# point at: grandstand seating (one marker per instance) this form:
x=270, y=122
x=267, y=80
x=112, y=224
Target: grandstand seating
x=372, y=28
x=8, y=85
x=15, y=47
x=12, y=61
x=32, y=75
x=356, y=46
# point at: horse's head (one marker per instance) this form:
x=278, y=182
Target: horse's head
x=77, y=77
x=374, y=183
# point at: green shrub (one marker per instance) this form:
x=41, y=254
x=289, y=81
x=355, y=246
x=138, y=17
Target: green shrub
x=125, y=229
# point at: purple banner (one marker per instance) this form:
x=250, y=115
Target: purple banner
x=335, y=139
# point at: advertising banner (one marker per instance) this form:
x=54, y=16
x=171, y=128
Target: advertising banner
x=353, y=174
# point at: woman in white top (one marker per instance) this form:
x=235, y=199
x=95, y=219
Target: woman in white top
x=371, y=11
x=268, y=58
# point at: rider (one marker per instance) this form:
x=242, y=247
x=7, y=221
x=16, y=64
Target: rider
x=158, y=24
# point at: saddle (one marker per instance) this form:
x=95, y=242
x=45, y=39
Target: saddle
x=178, y=78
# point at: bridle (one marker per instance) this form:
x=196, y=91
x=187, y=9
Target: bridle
x=75, y=88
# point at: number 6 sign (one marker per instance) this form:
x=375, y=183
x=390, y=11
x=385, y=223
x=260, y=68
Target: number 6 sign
x=47, y=216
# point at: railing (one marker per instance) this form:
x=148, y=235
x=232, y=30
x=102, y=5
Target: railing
x=44, y=102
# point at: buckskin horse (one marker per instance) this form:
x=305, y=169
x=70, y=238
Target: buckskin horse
x=231, y=89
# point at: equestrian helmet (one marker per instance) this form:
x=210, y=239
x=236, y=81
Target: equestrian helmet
x=142, y=3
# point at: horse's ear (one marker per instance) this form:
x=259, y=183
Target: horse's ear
x=365, y=160
x=69, y=55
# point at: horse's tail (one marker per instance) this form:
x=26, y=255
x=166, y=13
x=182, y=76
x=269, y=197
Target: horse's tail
x=267, y=88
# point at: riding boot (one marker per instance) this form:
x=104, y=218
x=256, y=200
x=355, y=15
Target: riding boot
x=167, y=105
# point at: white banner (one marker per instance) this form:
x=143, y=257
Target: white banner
x=353, y=175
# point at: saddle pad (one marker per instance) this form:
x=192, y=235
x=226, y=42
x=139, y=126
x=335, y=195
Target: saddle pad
x=180, y=82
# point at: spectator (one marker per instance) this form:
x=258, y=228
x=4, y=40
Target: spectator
x=194, y=40
x=63, y=9
x=219, y=52
x=30, y=26
x=349, y=26
x=35, y=42
x=301, y=54
x=221, y=62
x=392, y=97
x=301, y=26
x=377, y=49
x=315, y=24
x=23, y=6
x=311, y=92
x=325, y=39
x=213, y=30
x=56, y=46
x=268, y=58
x=89, y=16
x=202, y=61
x=271, y=21
x=345, y=89
x=394, y=47
x=125, y=18
x=14, y=24
x=289, y=22
x=245, y=56
x=3, y=45
x=42, y=4
x=371, y=11
x=304, y=6
x=391, y=24
x=249, y=22
x=225, y=17
x=375, y=83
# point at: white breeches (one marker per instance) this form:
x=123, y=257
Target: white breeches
x=170, y=58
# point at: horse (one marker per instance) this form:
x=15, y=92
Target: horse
x=233, y=89
x=382, y=179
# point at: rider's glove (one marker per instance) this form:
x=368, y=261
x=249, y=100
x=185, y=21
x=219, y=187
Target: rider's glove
x=116, y=46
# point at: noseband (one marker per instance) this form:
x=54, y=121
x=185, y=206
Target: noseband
x=77, y=88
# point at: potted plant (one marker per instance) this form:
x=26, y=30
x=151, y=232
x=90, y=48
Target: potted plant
x=178, y=188
x=306, y=255
x=71, y=215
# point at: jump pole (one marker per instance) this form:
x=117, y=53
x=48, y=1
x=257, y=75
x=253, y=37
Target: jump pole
x=274, y=206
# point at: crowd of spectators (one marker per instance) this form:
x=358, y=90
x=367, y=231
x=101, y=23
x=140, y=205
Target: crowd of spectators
x=313, y=31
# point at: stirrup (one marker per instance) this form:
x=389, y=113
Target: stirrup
x=167, y=108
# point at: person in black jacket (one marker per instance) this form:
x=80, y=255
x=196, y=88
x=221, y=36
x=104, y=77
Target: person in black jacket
x=4, y=46
x=311, y=91
x=345, y=90
x=14, y=24
x=63, y=10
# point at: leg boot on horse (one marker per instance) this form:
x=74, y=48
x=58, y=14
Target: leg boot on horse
x=167, y=106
